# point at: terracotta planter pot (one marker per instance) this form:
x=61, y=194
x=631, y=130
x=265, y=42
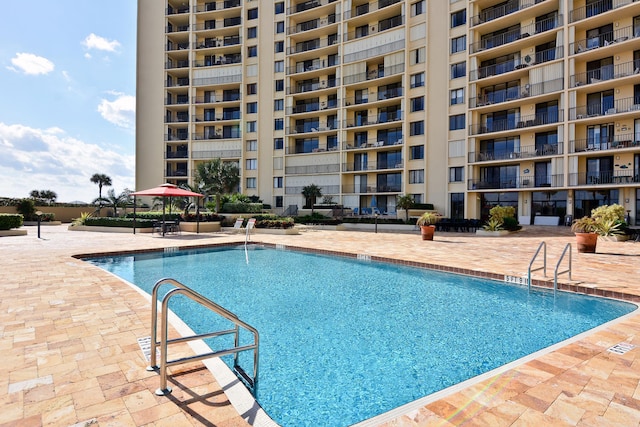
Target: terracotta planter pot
x=427, y=231
x=586, y=242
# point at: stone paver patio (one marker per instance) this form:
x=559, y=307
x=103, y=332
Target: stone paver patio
x=70, y=354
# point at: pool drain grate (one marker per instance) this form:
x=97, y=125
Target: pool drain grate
x=145, y=346
x=621, y=348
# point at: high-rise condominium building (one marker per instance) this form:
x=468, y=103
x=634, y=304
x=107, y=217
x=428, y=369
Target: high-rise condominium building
x=465, y=104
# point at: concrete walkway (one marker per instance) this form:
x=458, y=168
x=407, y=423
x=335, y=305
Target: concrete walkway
x=70, y=354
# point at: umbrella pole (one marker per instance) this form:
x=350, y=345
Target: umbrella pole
x=134, y=214
x=197, y=217
x=164, y=202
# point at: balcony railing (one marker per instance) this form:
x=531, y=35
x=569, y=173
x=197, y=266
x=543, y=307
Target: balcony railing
x=596, y=8
x=371, y=166
x=176, y=137
x=177, y=46
x=313, y=24
x=178, y=119
x=205, y=136
x=183, y=63
x=310, y=87
x=207, y=81
x=526, y=152
x=373, y=74
x=312, y=128
x=608, y=72
x=307, y=5
x=182, y=154
x=511, y=124
x=220, y=5
x=605, y=39
x=184, y=81
x=364, y=189
x=220, y=60
x=325, y=189
x=363, y=9
x=517, y=92
x=373, y=120
x=516, y=64
x=214, y=99
x=603, y=178
x=310, y=45
x=604, y=109
x=177, y=10
x=214, y=154
x=518, y=34
x=374, y=97
x=176, y=173
x=491, y=13
x=217, y=117
x=181, y=100
x=516, y=182
x=375, y=28
x=312, y=107
x=317, y=64
x=312, y=169
x=176, y=28
x=370, y=143
x=629, y=140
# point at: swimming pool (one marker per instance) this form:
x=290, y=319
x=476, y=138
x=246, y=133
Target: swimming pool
x=343, y=340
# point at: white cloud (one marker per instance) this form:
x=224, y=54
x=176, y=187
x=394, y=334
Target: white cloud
x=49, y=159
x=121, y=111
x=93, y=41
x=31, y=64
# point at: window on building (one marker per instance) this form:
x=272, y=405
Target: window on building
x=417, y=80
x=457, y=96
x=251, y=164
x=458, y=70
x=278, y=124
x=278, y=143
x=278, y=66
x=417, y=56
x=456, y=122
x=417, y=103
x=417, y=198
x=418, y=8
x=252, y=126
x=279, y=201
x=279, y=85
x=251, y=182
x=459, y=44
x=416, y=176
x=459, y=18
x=456, y=174
x=252, y=13
x=416, y=128
x=252, y=32
x=417, y=152
x=252, y=51
x=279, y=47
x=279, y=27
x=279, y=8
x=252, y=145
x=252, y=89
x=278, y=104
x=277, y=181
x=252, y=107
x=456, y=210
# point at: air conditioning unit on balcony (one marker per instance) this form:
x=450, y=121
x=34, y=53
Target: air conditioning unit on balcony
x=323, y=84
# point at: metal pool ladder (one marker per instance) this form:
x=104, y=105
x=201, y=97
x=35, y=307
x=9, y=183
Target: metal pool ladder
x=556, y=273
x=543, y=245
x=180, y=289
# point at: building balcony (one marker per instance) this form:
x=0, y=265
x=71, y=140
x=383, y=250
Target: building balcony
x=178, y=173
x=314, y=44
x=177, y=10
x=495, y=12
x=371, y=166
x=596, y=8
x=177, y=46
x=517, y=182
x=220, y=80
x=179, y=100
x=180, y=154
x=516, y=92
x=219, y=60
x=176, y=28
x=610, y=38
x=312, y=128
x=517, y=64
x=610, y=178
x=373, y=6
x=183, y=63
x=375, y=73
x=526, y=152
x=370, y=143
x=619, y=106
x=608, y=72
x=211, y=42
x=629, y=140
x=313, y=24
x=369, y=189
x=373, y=120
x=215, y=154
x=207, y=136
x=512, y=124
x=304, y=87
x=375, y=28
x=371, y=97
x=307, y=5
x=313, y=107
x=180, y=82
x=325, y=189
x=217, y=117
x=312, y=169
x=220, y=5
x=178, y=119
x=515, y=35
x=314, y=65
x=176, y=137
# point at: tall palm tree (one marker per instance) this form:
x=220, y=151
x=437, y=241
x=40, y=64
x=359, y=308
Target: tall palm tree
x=311, y=193
x=405, y=202
x=102, y=180
x=216, y=177
x=115, y=202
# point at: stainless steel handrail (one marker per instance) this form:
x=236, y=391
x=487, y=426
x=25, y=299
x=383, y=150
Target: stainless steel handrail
x=544, y=266
x=556, y=272
x=180, y=289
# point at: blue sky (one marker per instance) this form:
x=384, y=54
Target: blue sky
x=67, y=110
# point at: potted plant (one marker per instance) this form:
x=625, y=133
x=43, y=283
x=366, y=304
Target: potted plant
x=427, y=223
x=586, y=230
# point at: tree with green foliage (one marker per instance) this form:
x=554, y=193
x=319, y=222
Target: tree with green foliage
x=27, y=208
x=44, y=196
x=115, y=201
x=311, y=193
x=101, y=180
x=216, y=178
x=405, y=202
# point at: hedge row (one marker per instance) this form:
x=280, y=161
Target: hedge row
x=119, y=222
x=156, y=216
x=9, y=221
x=242, y=207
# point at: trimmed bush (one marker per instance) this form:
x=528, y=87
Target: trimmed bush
x=317, y=218
x=204, y=217
x=241, y=207
x=119, y=222
x=156, y=216
x=425, y=206
x=9, y=221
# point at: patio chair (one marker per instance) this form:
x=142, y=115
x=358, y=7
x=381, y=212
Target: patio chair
x=238, y=225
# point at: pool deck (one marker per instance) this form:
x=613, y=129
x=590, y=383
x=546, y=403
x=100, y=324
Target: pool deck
x=70, y=355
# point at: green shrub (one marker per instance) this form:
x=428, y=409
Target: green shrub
x=119, y=222
x=241, y=207
x=27, y=208
x=9, y=221
x=47, y=217
x=609, y=213
x=202, y=217
x=156, y=216
x=425, y=206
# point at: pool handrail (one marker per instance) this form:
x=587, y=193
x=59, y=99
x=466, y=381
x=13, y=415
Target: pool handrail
x=182, y=289
x=556, y=272
x=542, y=245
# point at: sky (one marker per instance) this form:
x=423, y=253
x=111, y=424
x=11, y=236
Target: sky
x=67, y=103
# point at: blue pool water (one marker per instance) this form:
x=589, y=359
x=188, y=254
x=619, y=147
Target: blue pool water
x=343, y=340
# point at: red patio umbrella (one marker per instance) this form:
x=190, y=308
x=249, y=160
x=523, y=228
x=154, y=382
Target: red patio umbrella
x=164, y=191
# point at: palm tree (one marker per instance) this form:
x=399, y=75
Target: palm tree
x=115, y=202
x=405, y=202
x=311, y=193
x=102, y=180
x=216, y=177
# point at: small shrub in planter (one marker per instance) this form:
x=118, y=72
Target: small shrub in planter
x=317, y=218
x=273, y=221
x=119, y=222
x=156, y=216
x=9, y=221
x=203, y=217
